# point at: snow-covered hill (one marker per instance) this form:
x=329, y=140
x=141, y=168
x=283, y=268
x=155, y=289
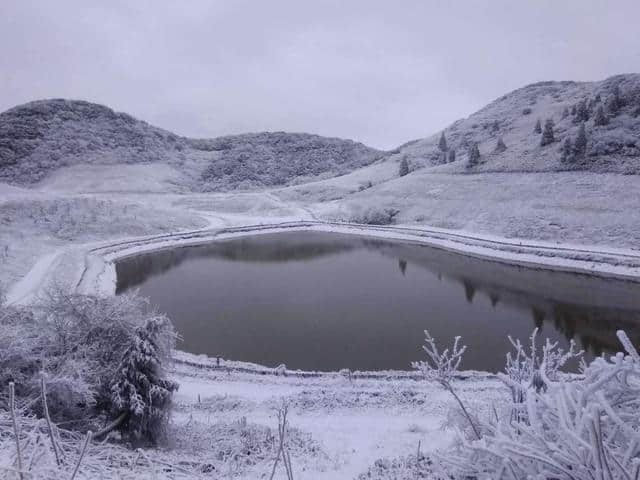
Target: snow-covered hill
x=612, y=134
x=41, y=137
x=77, y=146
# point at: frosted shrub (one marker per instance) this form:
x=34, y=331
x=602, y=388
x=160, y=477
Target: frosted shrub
x=588, y=428
x=101, y=360
x=375, y=216
x=523, y=366
x=20, y=344
x=441, y=367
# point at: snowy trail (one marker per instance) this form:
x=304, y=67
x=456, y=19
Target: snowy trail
x=25, y=289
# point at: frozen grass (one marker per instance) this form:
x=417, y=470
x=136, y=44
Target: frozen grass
x=32, y=226
x=34, y=448
x=200, y=450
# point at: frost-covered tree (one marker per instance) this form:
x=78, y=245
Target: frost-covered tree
x=141, y=393
x=600, y=118
x=567, y=151
x=582, y=112
x=538, y=127
x=580, y=144
x=473, y=156
x=500, y=146
x=547, y=135
x=452, y=155
x=442, y=144
x=615, y=102
x=404, y=167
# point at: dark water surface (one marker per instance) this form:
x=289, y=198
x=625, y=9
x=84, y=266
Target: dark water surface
x=321, y=301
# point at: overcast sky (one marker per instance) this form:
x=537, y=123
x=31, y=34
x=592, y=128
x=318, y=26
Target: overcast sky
x=378, y=72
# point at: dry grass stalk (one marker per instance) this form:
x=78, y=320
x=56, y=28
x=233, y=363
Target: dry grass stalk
x=87, y=440
x=14, y=421
x=45, y=407
x=283, y=452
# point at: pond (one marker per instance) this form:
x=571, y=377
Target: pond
x=326, y=301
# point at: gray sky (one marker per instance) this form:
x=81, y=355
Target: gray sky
x=378, y=72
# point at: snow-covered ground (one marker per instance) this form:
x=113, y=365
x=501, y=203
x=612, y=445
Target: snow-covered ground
x=69, y=231
x=355, y=421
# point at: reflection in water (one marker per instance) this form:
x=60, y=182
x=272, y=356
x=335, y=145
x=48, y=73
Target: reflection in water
x=326, y=301
x=469, y=290
x=494, y=299
x=402, y=264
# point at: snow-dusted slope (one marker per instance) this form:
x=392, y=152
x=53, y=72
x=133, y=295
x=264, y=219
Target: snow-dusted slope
x=614, y=147
x=42, y=137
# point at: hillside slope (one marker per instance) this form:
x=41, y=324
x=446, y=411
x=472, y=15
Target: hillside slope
x=41, y=137
x=612, y=139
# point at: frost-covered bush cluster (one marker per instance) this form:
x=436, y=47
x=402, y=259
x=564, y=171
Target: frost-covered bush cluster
x=81, y=218
x=564, y=428
x=101, y=360
x=523, y=369
x=279, y=157
x=375, y=216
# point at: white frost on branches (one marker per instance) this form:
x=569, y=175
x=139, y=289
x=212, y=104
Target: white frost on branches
x=441, y=367
x=573, y=430
x=529, y=367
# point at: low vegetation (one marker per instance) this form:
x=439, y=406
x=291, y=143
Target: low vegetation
x=558, y=426
x=375, y=216
x=269, y=159
x=101, y=362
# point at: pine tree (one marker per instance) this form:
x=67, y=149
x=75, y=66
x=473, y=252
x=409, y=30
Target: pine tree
x=452, y=155
x=582, y=112
x=538, y=127
x=600, y=119
x=500, y=146
x=580, y=145
x=140, y=392
x=617, y=98
x=567, y=150
x=404, y=167
x=442, y=144
x=615, y=103
x=573, y=110
x=474, y=156
x=547, y=134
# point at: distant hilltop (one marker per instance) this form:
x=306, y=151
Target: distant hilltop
x=538, y=128
x=40, y=137
x=546, y=126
